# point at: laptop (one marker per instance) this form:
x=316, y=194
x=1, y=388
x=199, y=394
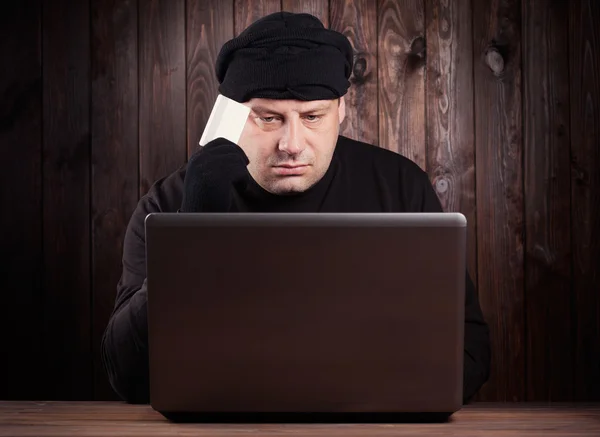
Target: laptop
x=305, y=313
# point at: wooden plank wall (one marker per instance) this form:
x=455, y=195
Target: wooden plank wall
x=66, y=200
x=584, y=81
x=498, y=101
x=547, y=182
x=499, y=189
x=21, y=246
x=115, y=156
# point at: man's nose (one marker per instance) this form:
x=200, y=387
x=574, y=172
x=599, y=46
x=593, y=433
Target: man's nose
x=292, y=141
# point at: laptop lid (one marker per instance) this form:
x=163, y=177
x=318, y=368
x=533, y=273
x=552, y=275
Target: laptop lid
x=320, y=312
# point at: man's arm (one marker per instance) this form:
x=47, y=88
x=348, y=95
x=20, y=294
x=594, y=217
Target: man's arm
x=477, y=345
x=211, y=173
x=125, y=340
x=477, y=355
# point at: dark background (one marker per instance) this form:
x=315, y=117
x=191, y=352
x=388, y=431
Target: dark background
x=498, y=100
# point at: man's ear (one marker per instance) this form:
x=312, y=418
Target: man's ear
x=342, y=109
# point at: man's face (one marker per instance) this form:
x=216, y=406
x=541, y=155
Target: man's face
x=290, y=142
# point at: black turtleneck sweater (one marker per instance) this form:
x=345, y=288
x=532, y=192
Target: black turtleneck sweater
x=361, y=178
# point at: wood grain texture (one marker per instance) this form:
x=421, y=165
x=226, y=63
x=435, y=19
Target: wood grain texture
x=117, y=419
x=547, y=201
x=66, y=199
x=318, y=8
x=498, y=139
x=162, y=119
x=585, y=190
x=114, y=158
x=449, y=104
x=209, y=26
x=357, y=20
x=248, y=11
x=69, y=204
x=21, y=197
x=401, y=54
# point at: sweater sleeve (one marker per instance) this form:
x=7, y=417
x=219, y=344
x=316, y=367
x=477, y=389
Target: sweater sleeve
x=477, y=356
x=125, y=341
x=124, y=346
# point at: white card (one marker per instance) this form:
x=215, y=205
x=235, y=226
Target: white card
x=227, y=119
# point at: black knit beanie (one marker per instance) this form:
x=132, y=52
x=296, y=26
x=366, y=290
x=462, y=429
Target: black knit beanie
x=285, y=56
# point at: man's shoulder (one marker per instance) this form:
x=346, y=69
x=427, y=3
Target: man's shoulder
x=166, y=193
x=366, y=154
x=401, y=182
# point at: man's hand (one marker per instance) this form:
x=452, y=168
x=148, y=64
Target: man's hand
x=211, y=174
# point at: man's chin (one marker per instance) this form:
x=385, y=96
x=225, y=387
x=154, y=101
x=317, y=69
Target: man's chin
x=289, y=186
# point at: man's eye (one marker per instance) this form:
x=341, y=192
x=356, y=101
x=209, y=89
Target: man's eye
x=267, y=119
x=312, y=117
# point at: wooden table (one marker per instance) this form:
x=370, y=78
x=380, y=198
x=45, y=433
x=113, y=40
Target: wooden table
x=118, y=419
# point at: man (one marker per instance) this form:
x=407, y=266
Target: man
x=293, y=74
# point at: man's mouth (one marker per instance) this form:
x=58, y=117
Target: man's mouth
x=291, y=165
x=290, y=169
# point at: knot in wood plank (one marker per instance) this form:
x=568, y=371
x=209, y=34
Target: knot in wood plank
x=494, y=60
x=417, y=47
x=359, y=70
